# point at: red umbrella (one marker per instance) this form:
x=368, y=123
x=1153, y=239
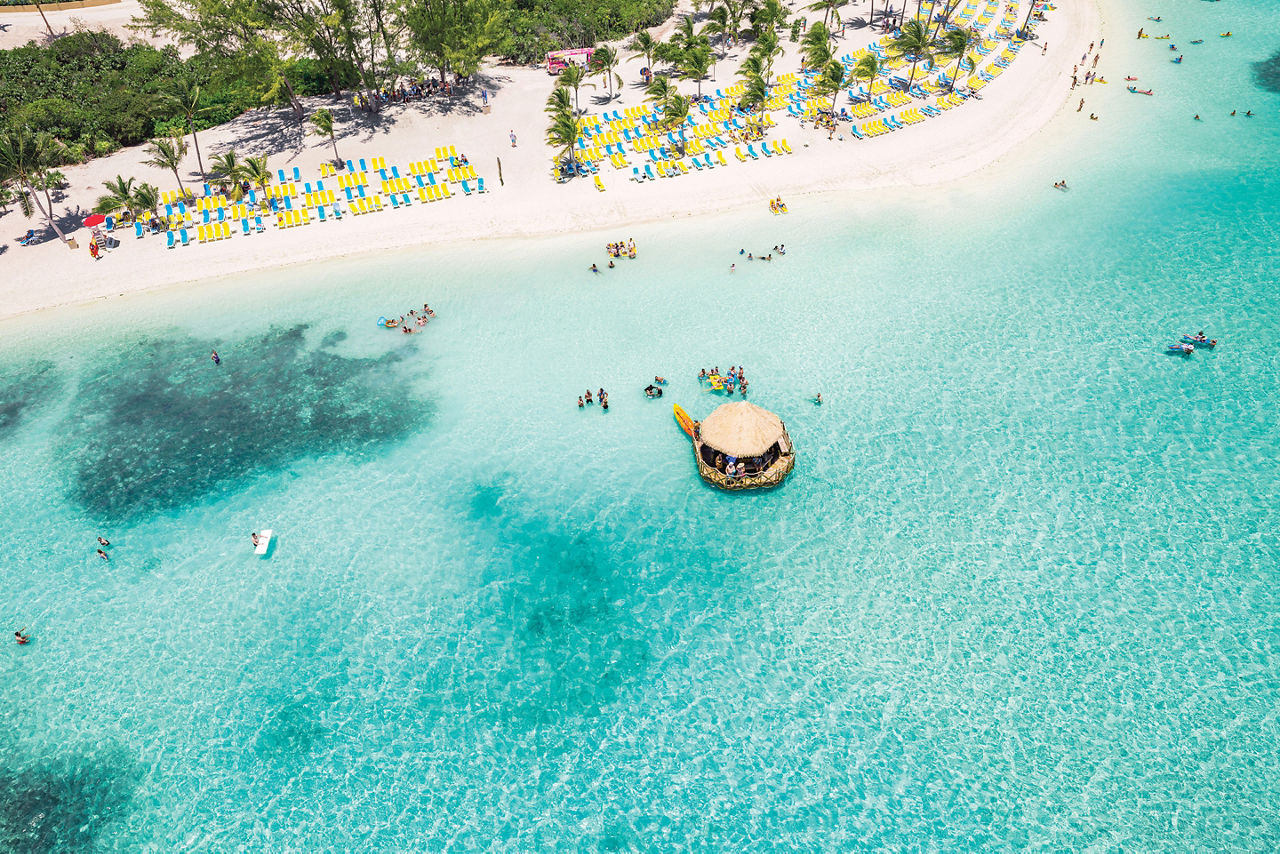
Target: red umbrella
x=94, y=219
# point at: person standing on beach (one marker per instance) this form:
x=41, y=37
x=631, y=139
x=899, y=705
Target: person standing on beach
x=513, y=137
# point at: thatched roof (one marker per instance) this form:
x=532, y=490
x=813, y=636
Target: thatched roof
x=741, y=429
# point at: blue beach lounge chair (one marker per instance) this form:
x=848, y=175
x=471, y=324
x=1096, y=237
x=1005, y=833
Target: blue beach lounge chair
x=297, y=176
x=466, y=188
x=185, y=238
x=171, y=244
x=320, y=210
x=244, y=226
x=137, y=229
x=480, y=186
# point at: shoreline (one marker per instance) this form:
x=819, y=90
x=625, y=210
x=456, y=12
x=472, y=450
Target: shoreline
x=978, y=137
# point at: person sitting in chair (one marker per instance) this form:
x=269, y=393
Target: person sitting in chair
x=27, y=238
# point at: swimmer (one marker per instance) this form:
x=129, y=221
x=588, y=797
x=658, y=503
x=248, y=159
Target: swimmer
x=818, y=400
x=659, y=380
x=595, y=269
x=103, y=542
x=580, y=403
x=588, y=397
x=216, y=359
x=1233, y=112
x=1092, y=117
x=102, y=554
x=1248, y=113
x=20, y=637
x=733, y=268
x=1197, y=117
x=611, y=264
x=255, y=539
x=742, y=251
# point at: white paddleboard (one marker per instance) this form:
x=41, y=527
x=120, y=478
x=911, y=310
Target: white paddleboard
x=264, y=541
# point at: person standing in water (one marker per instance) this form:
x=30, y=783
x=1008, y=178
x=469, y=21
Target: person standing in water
x=20, y=637
x=216, y=359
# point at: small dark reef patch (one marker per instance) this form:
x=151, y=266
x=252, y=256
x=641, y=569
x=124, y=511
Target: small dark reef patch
x=1267, y=73
x=22, y=390
x=161, y=426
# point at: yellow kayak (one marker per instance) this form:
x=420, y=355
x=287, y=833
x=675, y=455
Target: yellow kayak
x=683, y=419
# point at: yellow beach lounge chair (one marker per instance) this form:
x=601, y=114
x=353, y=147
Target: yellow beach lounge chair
x=599, y=184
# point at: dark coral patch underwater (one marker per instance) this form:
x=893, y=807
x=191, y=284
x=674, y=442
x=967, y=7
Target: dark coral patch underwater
x=161, y=426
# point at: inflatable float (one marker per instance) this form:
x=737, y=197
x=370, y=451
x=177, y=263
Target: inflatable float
x=683, y=419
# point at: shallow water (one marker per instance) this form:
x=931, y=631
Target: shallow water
x=1020, y=590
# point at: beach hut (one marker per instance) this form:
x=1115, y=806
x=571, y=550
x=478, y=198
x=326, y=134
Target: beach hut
x=741, y=446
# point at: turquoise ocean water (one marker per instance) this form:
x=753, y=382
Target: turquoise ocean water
x=1019, y=593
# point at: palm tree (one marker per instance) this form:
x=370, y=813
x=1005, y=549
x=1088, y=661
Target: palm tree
x=737, y=10
x=868, y=68
x=558, y=100
x=184, y=96
x=914, y=43
x=47, y=28
x=754, y=94
x=956, y=44
x=831, y=81
x=948, y=7
x=322, y=121
x=573, y=77
x=828, y=8
x=686, y=38
x=256, y=171
x=119, y=195
x=768, y=16
x=644, y=45
x=145, y=198
x=25, y=156
x=167, y=153
x=604, y=62
x=815, y=47
x=718, y=25
x=696, y=63
x=227, y=165
x=562, y=135
x=768, y=49
x=660, y=91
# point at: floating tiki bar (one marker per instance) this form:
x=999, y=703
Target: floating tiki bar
x=740, y=437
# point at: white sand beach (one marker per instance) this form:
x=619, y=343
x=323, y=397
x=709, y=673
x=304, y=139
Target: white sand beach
x=526, y=201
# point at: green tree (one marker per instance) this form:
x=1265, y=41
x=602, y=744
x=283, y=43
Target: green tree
x=322, y=124
x=718, y=25
x=574, y=77
x=455, y=35
x=830, y=10
x=25, y=156
x=768, y=17
x=754, y=94
x=604, y=63
x=767, y=49
x=868, y=68
x=119, y=195
x=696, y=63
x=815, y=46
x=912, y=42
x=183, y=95
x=830, y=81
x=558, y=100
x=660, y=91
x=226, y=165
x=146, y=197
x=167, y=153
x=644, y=44
x=257, y=171
x=562, y=133
x=957, y=44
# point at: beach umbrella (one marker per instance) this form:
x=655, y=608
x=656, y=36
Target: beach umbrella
x=94, y=219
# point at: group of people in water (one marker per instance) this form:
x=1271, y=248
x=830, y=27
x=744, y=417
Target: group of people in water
x=734, y=380
x=1189, y=343
x=617, y=250
x=601, y=395
x=22, y=636
x=781, y=249
x=411, y=323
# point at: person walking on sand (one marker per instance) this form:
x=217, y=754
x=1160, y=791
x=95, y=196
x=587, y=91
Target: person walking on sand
x=513, y=137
